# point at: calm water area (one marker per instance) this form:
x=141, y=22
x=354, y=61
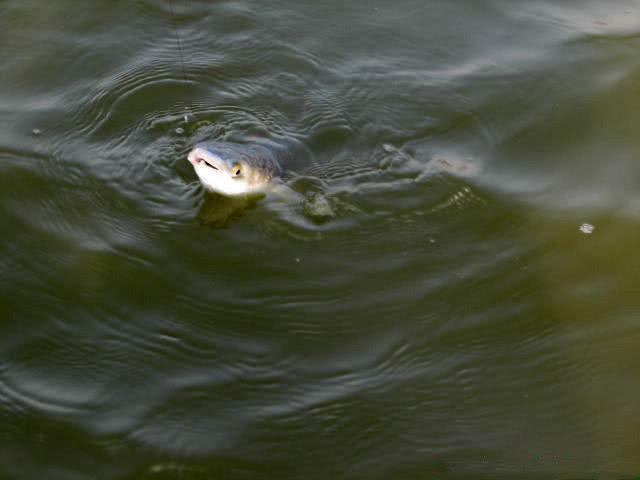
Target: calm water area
x=453, y=292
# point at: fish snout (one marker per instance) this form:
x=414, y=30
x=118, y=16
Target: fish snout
x=195, y=156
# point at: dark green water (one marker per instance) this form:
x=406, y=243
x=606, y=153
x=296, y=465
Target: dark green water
x=428, y=308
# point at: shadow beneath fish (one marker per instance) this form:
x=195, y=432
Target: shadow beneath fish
x=301, y=202
x=218, y=211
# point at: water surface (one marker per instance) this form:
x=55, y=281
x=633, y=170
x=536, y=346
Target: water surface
x=426, y=306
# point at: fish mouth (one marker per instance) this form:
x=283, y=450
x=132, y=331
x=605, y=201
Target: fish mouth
x=198, y=156
x=212, y=166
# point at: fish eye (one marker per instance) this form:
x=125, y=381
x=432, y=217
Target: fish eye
x=236, y=170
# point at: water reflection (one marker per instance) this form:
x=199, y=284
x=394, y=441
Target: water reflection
x=594, y=285
x=419, y=301
x=218, y=211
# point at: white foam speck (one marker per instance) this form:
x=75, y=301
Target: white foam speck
x=587, y=228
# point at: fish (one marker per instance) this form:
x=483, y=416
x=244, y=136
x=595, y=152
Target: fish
x=235, y=169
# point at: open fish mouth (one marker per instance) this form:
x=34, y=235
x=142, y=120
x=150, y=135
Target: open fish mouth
x=210, y=165
x=198, y=156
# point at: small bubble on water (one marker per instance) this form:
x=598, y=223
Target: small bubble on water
x=587, y=228
x=387, y=147
x=187, y=115
x=37, y=132
x=297, y=259
x=179, y=130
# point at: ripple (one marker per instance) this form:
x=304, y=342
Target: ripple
x=96, y=115
x=31, y=385
x=417, y=288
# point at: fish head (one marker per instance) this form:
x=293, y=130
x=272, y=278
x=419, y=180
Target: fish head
x=231, y=169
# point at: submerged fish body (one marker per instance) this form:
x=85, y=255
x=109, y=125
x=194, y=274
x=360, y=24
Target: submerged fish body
x=233, y=168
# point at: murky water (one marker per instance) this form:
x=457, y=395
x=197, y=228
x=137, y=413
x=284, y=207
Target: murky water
x=452, y=292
